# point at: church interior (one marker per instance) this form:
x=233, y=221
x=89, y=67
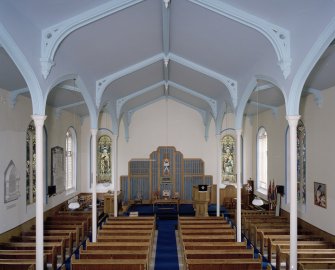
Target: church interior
x=167, y=134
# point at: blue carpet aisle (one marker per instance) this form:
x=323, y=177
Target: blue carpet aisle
x=166, y=251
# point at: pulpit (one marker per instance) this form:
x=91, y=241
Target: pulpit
x=109, y=202
x=201, y=196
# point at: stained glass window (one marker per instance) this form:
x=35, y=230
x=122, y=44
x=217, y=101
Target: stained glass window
x=228, y=158
x=104, y=159
x=31, y=163
x=301, y=164
x=262, y=160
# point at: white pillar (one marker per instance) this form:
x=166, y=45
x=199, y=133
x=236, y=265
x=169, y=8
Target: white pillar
x=293, y=122
x=238, y=181
x=39, y=122
x=31, y=169
x=219, y=173
x=115, y=178
x=94, y=184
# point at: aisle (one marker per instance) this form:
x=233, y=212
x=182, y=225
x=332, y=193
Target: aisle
x=166, y=251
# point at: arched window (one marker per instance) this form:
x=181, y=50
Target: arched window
x=228, y=149
x=70, y=159
x=104, y=159
x=31, y=163
x=262, y=160
x=301, y=165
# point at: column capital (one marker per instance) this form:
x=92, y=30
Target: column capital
x=94, y=131
x=238, y=131
x=38, y=119
x=293, y=119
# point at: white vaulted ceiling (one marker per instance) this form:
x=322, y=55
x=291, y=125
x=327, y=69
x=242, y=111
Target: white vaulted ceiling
x=130, y=53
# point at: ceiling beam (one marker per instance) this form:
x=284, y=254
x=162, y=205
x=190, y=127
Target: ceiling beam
x=13, y=96
x=69, y=87
x=273, y=108
x=228, y=82
x=211, y=102
x=102, y=83
x=54, y=35
x=278, y=36
x=59, y=109
x=121, y=101
x=264, y=87
x=318, y=98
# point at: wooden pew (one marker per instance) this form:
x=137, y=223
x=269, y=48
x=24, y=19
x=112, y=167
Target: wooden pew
x=264, y=233
x=102, y=231
x=284, y=242
x=312, y=254
x=221, y=264
x=67, y=225
x=252, y=234
x=117, y=246
x=48, y=238
x=116, y=254
x=251, y=221
x=207, y=238
x=108, y=264
x=316, y=265
x=51, y=255
x=208, y=226
x=206, y=232
x=59, y=246
x=15, y=264
x=220, y=254
x=75, y=234
x=128, y=227
x=214, y=245
x=58, y=221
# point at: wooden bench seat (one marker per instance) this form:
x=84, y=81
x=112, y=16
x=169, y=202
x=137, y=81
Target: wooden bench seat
x=207, y=226
x=201, y=221
x=206, y=232
x=117, y=246
x=249, y=223
x=70, y=235
x=219, y=254
x=124, y=238
x=312, y=254
x=206, y=238
x=129, y=222
x=15, y=264
x=76, y=230
x=302, y=242
x=214, y=245
x=51, y=255
x=264, y=233
x=128, y=227
x=108, y=264
x=59, y=222
x=115, y=254
x=125, y=232
x=59, y=246
x=316, y=265
x=222, y=264
x=48, y=238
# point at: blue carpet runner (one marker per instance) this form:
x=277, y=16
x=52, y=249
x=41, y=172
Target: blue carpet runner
x=166, y=251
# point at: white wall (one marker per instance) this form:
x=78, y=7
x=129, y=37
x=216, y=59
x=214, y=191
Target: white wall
x=320, y=149
x=13, y=126
x=150, y=128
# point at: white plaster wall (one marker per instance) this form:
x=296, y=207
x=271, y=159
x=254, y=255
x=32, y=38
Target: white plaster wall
x=13, y=125
x=150, y=127
x=320, y=154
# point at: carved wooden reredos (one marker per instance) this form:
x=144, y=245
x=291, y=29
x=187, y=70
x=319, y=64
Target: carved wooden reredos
x=166, y=169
